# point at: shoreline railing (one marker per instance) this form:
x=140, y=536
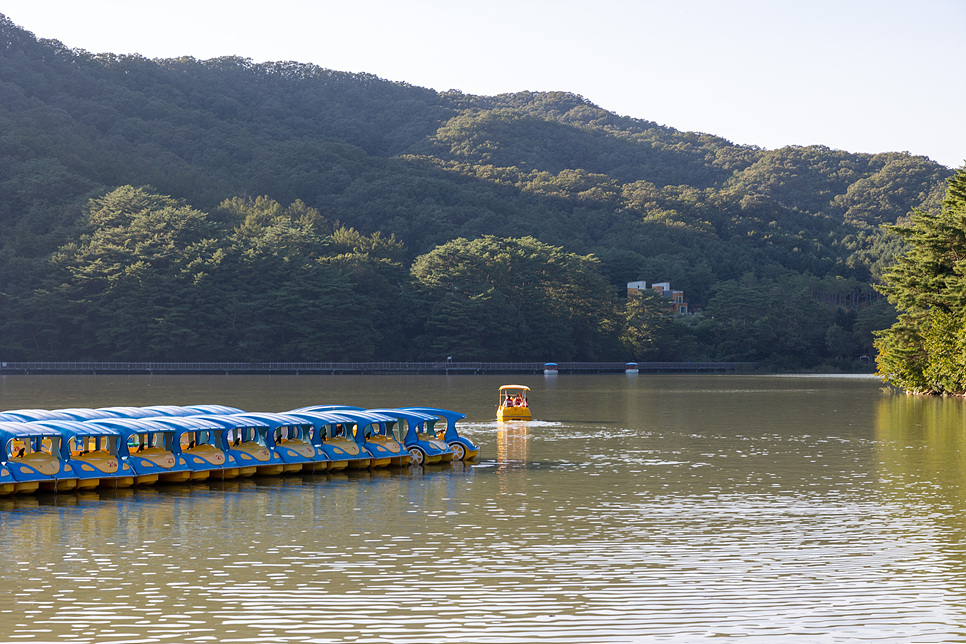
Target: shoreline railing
x=337, y=368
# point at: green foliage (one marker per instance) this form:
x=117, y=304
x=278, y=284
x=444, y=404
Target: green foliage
x=513, y=299
x=924, y=350
x=154, y=279
x=647, y=327
x=772, y=320
x=377, y=173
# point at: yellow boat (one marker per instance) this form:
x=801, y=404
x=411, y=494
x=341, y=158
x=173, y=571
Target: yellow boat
x=513, y=404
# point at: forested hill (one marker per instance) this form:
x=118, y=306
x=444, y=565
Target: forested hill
x=649, y=201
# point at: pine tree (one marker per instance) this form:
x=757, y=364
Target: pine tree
x=924, y=351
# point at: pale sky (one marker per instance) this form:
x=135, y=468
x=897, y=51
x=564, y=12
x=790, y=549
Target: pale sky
x=856, y=75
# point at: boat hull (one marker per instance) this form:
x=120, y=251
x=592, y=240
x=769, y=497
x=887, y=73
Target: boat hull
x=513, y=413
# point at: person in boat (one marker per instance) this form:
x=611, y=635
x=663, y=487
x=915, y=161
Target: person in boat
x=509, y=401
x=518, y=401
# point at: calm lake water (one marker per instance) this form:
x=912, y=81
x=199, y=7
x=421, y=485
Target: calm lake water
x=635, y=509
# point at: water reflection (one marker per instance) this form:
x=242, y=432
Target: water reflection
x=513, y=442
x=922, y=454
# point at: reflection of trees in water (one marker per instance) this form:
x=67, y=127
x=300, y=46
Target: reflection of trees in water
x=512, y=442
x=921, y=450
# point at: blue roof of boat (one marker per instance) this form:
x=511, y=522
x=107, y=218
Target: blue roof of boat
x=408, y=414
x=233, y=421
x=370, y=415
x=70, y=428
x=133, y=425
x=81, y=413
x=215, y=409
x=445, y=413
x=129, y=412
x=12, y=430
x=189, y=422
x=170, y=410
x=327, y=408
x=38, y=414
x=273, y=419
x=326, y=417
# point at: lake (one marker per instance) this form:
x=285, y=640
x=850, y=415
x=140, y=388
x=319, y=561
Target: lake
x=632, y=509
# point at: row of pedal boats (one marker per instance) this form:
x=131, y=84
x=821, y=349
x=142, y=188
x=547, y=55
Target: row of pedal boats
x=66, y=450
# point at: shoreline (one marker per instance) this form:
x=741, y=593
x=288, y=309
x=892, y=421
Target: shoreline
x=369, y=368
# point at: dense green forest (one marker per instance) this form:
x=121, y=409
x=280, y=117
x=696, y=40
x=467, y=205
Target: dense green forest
x=230, y=210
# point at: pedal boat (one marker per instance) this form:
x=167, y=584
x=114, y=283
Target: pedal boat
x=383, y=439
x=148, y=447
x=249, y=440
x=93, y=454
x=288, y=437
x=195, y=440
x=510, y=410
x=373, y=431
x=419, y=436
x=334, y=435
x=239, y=439
x=463, y=448
x=249, y=443
x=32, y=455
x=328, y=434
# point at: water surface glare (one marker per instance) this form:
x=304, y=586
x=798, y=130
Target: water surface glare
x=635, y=509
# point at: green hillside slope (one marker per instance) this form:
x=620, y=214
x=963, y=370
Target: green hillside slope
x=425, y=168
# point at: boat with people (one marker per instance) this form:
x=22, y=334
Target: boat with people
x=513, y=403
x=71, y=449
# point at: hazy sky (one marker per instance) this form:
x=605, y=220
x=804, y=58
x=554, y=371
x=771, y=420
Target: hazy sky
x=856, y=75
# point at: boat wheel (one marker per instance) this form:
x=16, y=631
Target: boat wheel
x=417, y=455
x=459, y=452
